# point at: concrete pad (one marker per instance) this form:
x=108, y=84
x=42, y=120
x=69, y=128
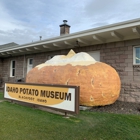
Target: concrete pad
x=84, y=108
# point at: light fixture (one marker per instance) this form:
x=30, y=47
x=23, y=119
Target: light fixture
x=77, y=44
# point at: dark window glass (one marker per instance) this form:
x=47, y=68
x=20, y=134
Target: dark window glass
x=30, y=61
x=13, y=72
x=13, y=65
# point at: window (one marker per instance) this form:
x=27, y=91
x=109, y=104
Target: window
x=95, y=55
x=136, y=58
x=12, y=68
x=29, y=64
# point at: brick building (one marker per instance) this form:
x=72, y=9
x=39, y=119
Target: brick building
x=117, y=45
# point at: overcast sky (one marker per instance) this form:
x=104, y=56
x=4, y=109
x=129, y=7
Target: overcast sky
x=23, y=21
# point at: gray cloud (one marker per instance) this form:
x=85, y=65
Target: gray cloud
x=112, y=11
x=25, y=20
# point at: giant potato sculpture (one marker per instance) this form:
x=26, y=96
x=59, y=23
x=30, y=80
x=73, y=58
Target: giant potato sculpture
x=99, y=83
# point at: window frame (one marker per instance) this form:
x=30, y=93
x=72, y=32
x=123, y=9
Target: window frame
x=134, y=55
x=12, y=69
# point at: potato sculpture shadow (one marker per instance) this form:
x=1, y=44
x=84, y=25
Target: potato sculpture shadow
x=99, y=83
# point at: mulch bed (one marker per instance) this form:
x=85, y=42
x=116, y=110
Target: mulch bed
x=119, y=107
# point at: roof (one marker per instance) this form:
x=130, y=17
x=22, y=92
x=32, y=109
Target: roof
x=111, y=33
x=8, y=45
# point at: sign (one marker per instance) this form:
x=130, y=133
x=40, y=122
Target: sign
x=63, y=97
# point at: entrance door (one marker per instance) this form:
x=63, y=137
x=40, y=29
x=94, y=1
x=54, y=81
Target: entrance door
x=29, y=64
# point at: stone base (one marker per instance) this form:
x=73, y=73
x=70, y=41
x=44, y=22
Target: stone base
x=84, y=108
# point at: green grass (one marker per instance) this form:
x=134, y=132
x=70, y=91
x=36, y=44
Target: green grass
x=1, y=96
x=23, y=123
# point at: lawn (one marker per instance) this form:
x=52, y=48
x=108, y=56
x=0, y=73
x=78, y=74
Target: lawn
x=23, y=123
x=1, y=96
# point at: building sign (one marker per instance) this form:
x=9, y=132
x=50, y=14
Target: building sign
x=61, y=97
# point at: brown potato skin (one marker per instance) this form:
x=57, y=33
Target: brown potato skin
x=99, y=83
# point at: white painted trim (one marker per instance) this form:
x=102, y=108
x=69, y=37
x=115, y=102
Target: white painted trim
x=91, y=32
x=134, y=55
x=11, y=69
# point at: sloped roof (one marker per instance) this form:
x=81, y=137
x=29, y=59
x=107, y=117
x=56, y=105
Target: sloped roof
x=8, y=45
x=111, y=33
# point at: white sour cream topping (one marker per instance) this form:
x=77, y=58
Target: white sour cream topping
x=81, y=58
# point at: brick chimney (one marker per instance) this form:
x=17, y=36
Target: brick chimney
x=64, y=28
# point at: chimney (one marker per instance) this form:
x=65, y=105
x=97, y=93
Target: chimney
x=64, y=28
